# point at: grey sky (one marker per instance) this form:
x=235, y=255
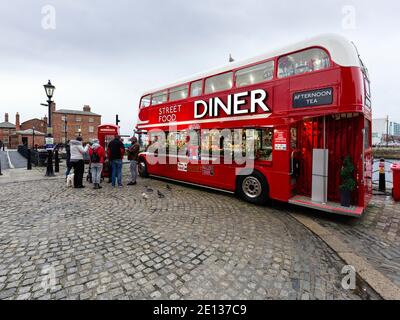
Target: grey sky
x=106, y=53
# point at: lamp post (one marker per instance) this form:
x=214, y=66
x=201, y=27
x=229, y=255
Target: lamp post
x=49, y=88
x=65, y=129
x=79, y=131
x=33, y=137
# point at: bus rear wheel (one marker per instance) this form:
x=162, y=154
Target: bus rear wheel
x=253, y=188
x=142, y=168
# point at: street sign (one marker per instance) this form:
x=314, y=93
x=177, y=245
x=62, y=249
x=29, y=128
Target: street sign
x=49, y=142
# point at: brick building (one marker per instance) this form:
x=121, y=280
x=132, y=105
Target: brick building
x=7, y=130
x=37, y=124
x=68, y=124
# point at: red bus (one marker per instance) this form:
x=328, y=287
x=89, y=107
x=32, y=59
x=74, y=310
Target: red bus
x=305, y=108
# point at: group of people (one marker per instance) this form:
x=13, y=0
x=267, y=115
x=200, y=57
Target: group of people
x=98, y=158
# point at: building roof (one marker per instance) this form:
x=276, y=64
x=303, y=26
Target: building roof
x=77, y=112
x=34, y=119
x=29, y=132
x=342, y=51
x=7, y=125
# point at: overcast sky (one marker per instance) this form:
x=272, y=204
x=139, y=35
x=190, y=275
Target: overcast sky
x=106, y=53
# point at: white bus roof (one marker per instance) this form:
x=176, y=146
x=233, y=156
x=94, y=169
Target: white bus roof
x=343, y=52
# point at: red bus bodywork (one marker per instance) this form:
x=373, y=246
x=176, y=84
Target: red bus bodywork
x=343, y=127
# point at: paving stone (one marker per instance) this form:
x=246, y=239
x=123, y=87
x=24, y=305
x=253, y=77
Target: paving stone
x=192, y=245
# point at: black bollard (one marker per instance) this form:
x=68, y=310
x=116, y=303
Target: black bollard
x=382, y=176
x=29, y=159
x=57, y=162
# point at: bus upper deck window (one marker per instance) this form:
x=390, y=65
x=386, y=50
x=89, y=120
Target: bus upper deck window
x=159, y=97
x=219, y=83
x=302, y=62
x=196, y=89
x=145, y=101
x=178, y=93
x=256, y=74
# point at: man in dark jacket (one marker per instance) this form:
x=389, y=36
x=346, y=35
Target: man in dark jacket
x=69, y=164
x=133, y=157
x=116, y=152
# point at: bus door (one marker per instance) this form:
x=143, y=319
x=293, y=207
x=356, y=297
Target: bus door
x=339, y=134
x=295, y=158
x=308, y=137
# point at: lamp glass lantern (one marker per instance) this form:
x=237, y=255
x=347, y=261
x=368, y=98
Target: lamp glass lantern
x=49, y=89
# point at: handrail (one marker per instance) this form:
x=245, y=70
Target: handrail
x=292, y=162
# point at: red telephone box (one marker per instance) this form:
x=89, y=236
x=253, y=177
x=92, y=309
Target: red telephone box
x=106, y=133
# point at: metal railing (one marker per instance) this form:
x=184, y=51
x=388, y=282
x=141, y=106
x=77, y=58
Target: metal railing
x=37, y=158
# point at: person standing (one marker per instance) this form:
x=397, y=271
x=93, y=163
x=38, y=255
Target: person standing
x=69, y=164
x=77, y=152
x=116, y=152
x=97, y=155
x=133, y=157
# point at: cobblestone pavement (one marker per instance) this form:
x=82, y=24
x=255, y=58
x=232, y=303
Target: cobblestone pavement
x=376, y=236
x=192, y=244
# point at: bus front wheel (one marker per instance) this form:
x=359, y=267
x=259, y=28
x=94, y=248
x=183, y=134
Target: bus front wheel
x=143, y=168
x=253, y=188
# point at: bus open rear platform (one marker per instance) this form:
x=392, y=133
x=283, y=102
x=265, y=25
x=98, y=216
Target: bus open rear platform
x=331, y=207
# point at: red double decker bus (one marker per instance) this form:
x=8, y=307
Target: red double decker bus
x=305, y=108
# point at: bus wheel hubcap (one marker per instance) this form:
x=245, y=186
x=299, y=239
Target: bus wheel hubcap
x=252, y=187
x=142, y=166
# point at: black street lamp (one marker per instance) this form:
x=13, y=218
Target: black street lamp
x=49, y=88
x=33, y=137
x=65, y=130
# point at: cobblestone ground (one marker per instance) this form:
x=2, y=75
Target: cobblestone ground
x=192, y=244
x=376, y=236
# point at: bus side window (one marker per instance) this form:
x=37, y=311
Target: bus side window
x=145, y=101
x=219, y=83
x=178, y=93
x=256, y=74
x=302, y=62
x=159, y=98
x=196, y=89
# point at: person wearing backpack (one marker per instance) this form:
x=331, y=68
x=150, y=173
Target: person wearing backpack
x=97, y=155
